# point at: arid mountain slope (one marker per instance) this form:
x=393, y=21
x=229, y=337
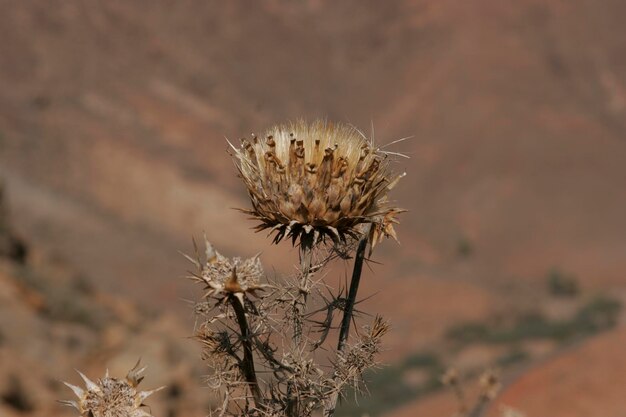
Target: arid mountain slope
x=113, y=117
x=516, y=111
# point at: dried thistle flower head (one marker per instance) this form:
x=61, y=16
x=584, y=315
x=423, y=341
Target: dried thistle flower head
x=317, y=180
x=490, y=383
x=111, y=397
x=223, y=276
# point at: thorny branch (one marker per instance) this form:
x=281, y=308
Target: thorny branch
x=258, y=346
x=347, y=315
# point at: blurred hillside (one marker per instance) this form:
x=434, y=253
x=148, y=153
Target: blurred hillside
x=53, y=320
x=113, y=117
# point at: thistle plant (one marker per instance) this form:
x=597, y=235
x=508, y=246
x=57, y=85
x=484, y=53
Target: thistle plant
x=267, y=340
x=324, y=187
x=489, y=384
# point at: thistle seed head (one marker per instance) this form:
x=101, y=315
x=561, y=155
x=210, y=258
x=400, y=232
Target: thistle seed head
x=111, y=397
x=317, y=180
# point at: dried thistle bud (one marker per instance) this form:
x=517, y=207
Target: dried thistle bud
x=111, y=397
x=490, y=384
x=377, y=330
x=362, y=355
x=223, y=276
x=450, y=377
x=311, y=181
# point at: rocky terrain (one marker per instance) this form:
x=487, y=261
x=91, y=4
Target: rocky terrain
x=112, y=124
x=53, y=320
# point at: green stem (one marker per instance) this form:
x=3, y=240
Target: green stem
x=351, y=300
x=348, y=313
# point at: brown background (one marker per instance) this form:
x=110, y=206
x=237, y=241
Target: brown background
x=112, y=124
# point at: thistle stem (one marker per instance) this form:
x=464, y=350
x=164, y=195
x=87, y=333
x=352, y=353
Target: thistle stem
x=478, y=409
x=306, y=259
x=351, y=300
x=348, y=313
x=247, y=365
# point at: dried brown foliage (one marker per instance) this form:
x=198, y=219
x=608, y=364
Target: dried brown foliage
x=267, y=342
x=267, y=348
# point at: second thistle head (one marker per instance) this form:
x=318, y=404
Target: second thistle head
x=309, y=181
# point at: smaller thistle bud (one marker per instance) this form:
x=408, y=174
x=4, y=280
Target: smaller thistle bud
x=311, y=181
x=111, y=397
x=223, y=276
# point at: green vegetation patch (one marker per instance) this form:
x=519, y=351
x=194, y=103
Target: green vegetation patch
x=596, y=315
x=561, y=284
x=464, y=247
